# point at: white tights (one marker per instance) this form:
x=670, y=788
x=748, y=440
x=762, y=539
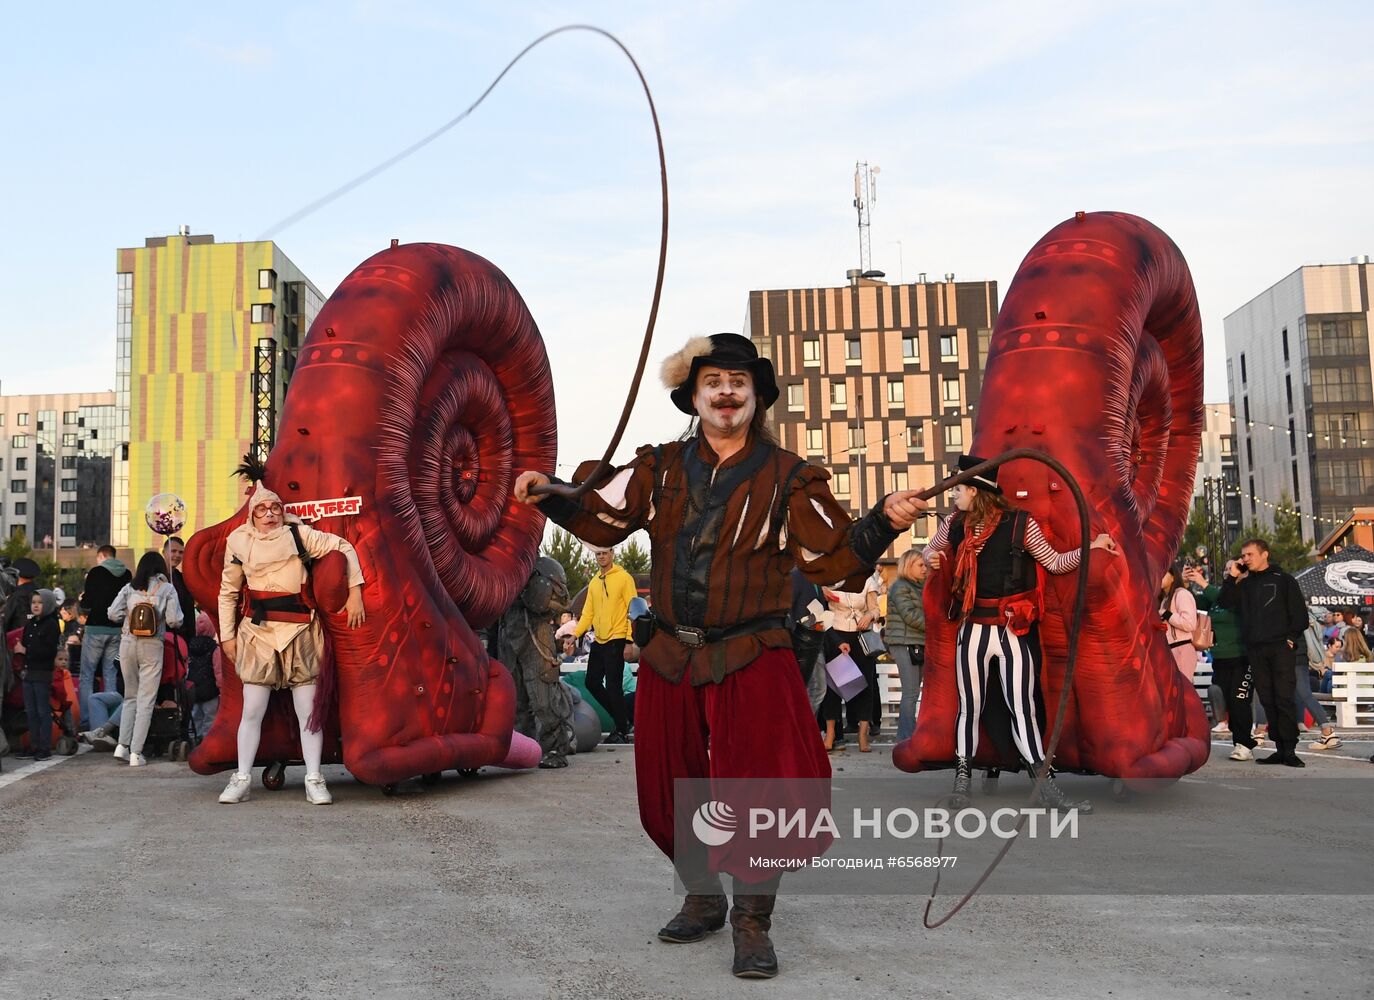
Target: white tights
x=255, y=698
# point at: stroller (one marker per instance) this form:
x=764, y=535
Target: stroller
x=66, y=714
x=169, y=733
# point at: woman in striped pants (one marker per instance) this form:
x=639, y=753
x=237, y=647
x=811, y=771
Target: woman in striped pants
x=996, y=598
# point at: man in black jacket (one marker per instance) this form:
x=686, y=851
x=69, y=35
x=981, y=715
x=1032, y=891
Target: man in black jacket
x=173, y=551
x=100, y=640
x=1273, y=617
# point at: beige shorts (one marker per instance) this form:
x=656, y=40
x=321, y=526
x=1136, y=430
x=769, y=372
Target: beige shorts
x=295, y=666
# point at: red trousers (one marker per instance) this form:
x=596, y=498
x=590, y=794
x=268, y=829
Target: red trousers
x=756, y=723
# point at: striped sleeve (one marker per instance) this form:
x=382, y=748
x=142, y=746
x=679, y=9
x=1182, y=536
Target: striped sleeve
x=941, y=540
x=1046, y=554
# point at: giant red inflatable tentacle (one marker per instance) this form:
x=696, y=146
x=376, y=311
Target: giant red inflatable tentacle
x=1097, y=360
x=422, y=386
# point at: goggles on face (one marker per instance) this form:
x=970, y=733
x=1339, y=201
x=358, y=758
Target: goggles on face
x=268, y=508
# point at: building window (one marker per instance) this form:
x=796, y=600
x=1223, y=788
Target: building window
x=949, y=390
x=839, y=395
x=21, y=508
x=21, y=463
x=1249, y=453
x=22, y=420
x=949, y=347
x=69, y=485
x=811, y=353
x=68, y=440
x=1341, y=385
x=899, y=480
x=67, y=530
x=263, y=312
x=69, y=506
x=853, y=351
x=1292, y=438
x=68, y=417
x=796, y=397
x=911, y=351
x=19, y=486
x=842, y=484
x=1285, y=345
x=916, y=437
x=1288, y=389
x=69, y=461
x=1297, y=494
x=267, y=278
x=815, y=440
x=19, y=441
x=954, y=437
x=896, y=391
x=1242, y=370
x=1227, y=443
x=856, y=438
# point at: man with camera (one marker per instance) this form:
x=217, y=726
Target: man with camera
x=1273, y=618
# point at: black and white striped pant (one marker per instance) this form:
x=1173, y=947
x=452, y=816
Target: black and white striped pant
x=1018, y=668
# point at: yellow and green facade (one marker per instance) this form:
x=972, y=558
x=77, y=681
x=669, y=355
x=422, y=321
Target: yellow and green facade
x=206, y=336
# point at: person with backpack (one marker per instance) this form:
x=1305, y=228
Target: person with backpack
x=272, y=635
x=147, y=606
x=1178, y=617
x=995, y=597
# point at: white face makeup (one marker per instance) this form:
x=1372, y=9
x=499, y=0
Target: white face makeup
x=724, y=399
x=962, y=496
x=267, y=516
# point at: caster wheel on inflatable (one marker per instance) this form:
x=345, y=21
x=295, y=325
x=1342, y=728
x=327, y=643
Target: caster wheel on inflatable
x=274, y=776
x=66, y=746
x=389, y=789
x=1119, y=790
x=467, y=772
x=432, y=778
x=179, y=750
x=990, y=780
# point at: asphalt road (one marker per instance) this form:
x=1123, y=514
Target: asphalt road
x=123, y=883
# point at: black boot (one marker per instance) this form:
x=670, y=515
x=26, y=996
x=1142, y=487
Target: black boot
x=701, y=914
x=963, y=784
x=1053, y=797
x=751, y=918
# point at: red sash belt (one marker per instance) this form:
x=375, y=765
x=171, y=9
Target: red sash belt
x=274, y=606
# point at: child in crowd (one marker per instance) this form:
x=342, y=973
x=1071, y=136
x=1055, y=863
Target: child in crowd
x=40, y=643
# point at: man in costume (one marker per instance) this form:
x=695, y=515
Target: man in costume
x=278, y=642
x=996, y=598
x=543, y=706
x=729, y=513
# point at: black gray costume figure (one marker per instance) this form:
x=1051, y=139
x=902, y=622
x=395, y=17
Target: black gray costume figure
x=543, y=705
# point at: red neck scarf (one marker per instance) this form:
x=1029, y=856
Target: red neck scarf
x=966, y=560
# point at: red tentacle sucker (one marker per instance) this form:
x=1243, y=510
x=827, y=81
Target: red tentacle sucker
x=1096, y=360
x=422, y=386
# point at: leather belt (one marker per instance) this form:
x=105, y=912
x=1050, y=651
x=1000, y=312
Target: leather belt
x=694, y=638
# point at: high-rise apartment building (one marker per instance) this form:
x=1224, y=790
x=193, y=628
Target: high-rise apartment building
x=56, y=457
x=1217, y=486
x=1299, y=376
x=206, y=338
x=878, y=382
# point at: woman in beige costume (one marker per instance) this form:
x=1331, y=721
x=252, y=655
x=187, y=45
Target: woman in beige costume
x=280, y=642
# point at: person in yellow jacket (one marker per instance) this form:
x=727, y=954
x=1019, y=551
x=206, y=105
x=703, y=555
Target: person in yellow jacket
x=607, y=613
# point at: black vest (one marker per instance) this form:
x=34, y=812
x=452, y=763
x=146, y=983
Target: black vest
x=1003, y=569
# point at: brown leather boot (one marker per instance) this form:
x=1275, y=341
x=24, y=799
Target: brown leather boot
x=751, y=918
x=700, y=915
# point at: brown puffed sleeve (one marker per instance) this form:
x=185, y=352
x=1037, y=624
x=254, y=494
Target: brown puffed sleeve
x=615, y=511
x=831, y=548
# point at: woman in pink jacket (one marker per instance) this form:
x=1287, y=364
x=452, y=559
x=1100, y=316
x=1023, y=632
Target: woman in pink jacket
x=1178, y=612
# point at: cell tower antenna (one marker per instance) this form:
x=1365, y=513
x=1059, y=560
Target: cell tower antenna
x=865, y=197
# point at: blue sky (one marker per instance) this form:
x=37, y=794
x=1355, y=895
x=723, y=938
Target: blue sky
x=1244, y=130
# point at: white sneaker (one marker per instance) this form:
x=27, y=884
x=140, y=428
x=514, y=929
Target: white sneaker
x=237, y=789
x=121, y=752
x=315, y=791
x=137, y=760
x=1242, y=752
